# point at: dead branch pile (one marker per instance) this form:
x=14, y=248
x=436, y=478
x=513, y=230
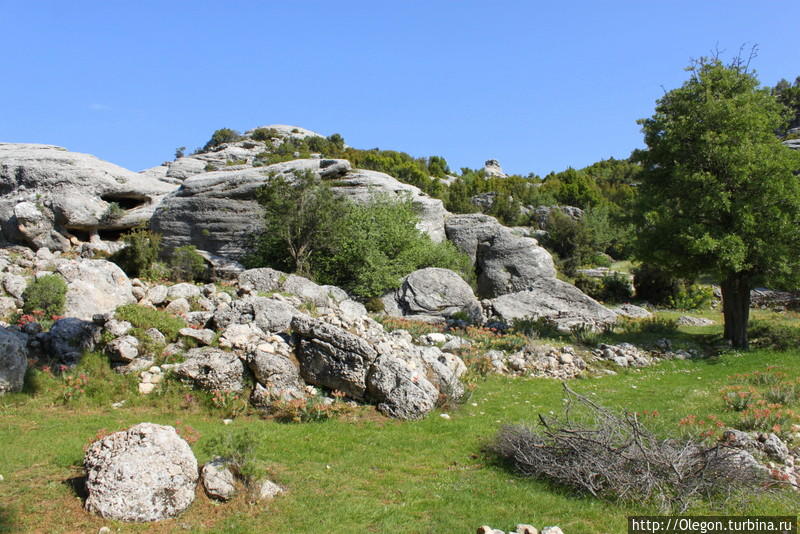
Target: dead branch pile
x=613, y=456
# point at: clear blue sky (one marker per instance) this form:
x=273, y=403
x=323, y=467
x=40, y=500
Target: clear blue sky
x=538, y=86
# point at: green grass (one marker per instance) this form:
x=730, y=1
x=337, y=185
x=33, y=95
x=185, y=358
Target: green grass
x=367, y=475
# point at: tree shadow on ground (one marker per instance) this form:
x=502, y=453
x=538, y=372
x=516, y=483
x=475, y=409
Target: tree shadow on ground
x=8, y=520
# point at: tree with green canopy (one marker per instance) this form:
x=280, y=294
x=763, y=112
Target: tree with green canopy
x=719, y=193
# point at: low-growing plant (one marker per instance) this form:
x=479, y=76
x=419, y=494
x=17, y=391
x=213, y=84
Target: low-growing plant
x=650, y=325
x=312, y=410
x=140, y=254
x=540, y=327
x=776, y=336
x=231, y=403
x=186, y=264
x=738, y=398
x=47, y=294
x=113, y=212
x=585, y=334
x=144, y=318
x=238, y=447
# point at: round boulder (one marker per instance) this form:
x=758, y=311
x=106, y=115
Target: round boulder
x=433, y=293
x=145, y=473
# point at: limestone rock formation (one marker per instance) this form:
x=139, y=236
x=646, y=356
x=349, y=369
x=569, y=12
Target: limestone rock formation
x=556, y=300
x=49, y=196
x=145, y=473
x=212, y=369
x=493, y=169
x=434, y=294
x=94, y=287
x=400, y=391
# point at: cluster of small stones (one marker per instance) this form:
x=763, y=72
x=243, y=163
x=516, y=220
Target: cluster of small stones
x=782, y=462
x=520, y=529
x=539, y=361
x=222, y=483
x=624, y=355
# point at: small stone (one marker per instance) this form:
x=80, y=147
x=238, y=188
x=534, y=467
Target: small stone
x=1, y=478
x=146, y=388
x=268, y=490
x=522, y=528
x=485, y=529
x=179, y=307
x=227, y=421
x=444, y=416
x=551, y=530
x=204, y=336
x=119, y=404
x=104, y=530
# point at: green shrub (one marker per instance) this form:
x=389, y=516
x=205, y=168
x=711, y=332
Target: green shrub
x=658, y=286
x=613, y=287
x=774, y=336
x=186, y=264
x=47, y=293
x=238, y=447
x=137, y=259
x=542, y=327
x=265, y=134
x=112, y=213
x=691, y=297
x=144, y=318
x=221, y=136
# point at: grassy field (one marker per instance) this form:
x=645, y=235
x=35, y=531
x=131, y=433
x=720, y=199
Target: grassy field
x=362, y=474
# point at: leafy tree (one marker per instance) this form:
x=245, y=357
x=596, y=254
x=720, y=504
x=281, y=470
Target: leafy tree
x=300, y=216
x=789, y=95
x=223, y=135
x=718, y=193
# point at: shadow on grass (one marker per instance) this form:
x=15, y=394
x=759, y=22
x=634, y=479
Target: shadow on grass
x=78, y=485
x=8, y=520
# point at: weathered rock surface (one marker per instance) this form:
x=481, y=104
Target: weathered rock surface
x=400, y=391
x=13, y=360
x=270, y=315
x=277, y=375
x=69, y=338
x=94, y=287
x=217, y=211
x=212, y=369
x=218, y=480
x=332, y=357
x=49, y=195
x=433, y=293
x=556, y=300
x=270, y=280
x=145, y=473
x=493, y=169
x=507, y=263
x=541, y=214
x=632, y=311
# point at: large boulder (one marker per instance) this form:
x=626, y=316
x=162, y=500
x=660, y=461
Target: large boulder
x=505, y=261
x=94, y=287
x=400, y=391
x=145, y=473
x=270, y=315
x=217, y=211
x=13, y=360
x=212, y=369
x=277, y=375
x=70, y=338
x=556, y=300
x=332, y=357
x=267, y=280
x=50, y=195
x=362, y=185
x=433, y=293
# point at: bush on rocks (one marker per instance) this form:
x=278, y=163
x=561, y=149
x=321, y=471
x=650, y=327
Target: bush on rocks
x=47, y=293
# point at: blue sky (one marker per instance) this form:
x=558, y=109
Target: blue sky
x=538, y=86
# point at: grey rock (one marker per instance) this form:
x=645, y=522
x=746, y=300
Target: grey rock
x=13, y=360
x=145, y=473
x=268, y=490
x=69, y=338
x=218, y=480
x=687, y=320
x=94, y=287
x=398, y=390
x=212, y=369
x=241, y=336
x=557, y=300
x=73, y=194
x=204, y=335
x=632, y=311
x=118, y=328
x=8, y=306
x=493, y=169
x=551, y=530
x=268, y=314
x=774, y=447
x=183, y=291
x=275, y=372
x=157, y=294
x=179, y=306
x=466, y=232
x=433, y=292
x=507, y=263
x=269, y=280
x=541, y=214
x=124, y=349
x=15, y=285
x=331, y=357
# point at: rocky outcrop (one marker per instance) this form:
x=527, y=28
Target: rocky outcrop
x=212, y=369
x=94, y=287
x=13, y=360
x=333, y=357
x=51, y=197
x=270, y=315
x=559, y=301
x=399, y=390
x=217, y=211
x=541, y=214
x=505, y=262
x=145, y=473
x=493, y=169
x=69, y=338
x=433, y=294
x=270, y=280
x=362, y=185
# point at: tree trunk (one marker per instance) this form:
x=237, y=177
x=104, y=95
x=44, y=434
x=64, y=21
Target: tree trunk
x=736, y=308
